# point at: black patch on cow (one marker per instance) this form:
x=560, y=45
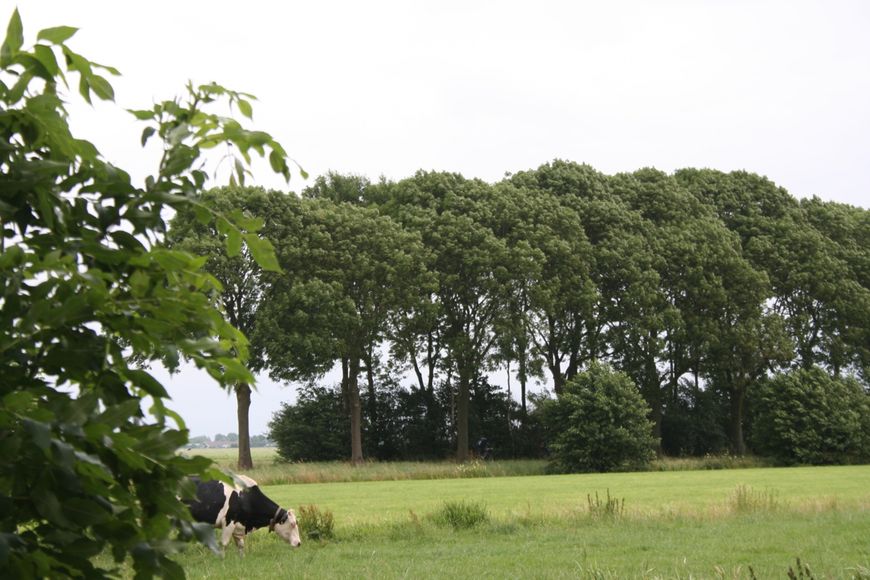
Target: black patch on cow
x=252, y=509
x=210, y=498
x=249, y=507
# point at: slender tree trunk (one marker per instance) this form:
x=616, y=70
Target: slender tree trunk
x=345, y=382
x=523, y=378
x=356, y=454
x=243, y=407
x=370, y=380
x=735, y=427
x=462, y=417
x=573, y=366
x=558, y=379
x=417, y=372
x=652, y=392
x=431, y=361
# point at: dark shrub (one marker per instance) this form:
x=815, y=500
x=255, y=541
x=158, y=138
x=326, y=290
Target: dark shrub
x=316, y=428
x=599, y=423
x=807, y=416
x=695, y=423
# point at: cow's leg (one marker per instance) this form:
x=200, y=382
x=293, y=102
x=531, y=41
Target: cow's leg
x=227, y=532
x=239, y=539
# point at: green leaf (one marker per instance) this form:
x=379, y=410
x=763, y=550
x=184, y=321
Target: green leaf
x=223, y=225
x=147, y=383
x=240, y=171
x=247, y=223
x=202, y=213
x=245, y=108
x=14, y=39
x=262, y=252
x=171, y=260
x=277, y=161
x=57, y=34
x=147, y=132
x=206, y=536
x=142, y=114
x=45, y=55
x=40, y=433
x=101, y=87
x=49, y=506
x=11, y=257
x=234, y=242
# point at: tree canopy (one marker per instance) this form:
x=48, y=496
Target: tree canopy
x=697, y=285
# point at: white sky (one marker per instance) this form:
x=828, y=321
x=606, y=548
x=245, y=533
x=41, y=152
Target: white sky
x=780, y=88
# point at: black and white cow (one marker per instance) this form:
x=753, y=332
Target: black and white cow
x=240, y=510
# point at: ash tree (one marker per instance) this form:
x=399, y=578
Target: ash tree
x=239, y=274
x=88, y=460
x=346, y=270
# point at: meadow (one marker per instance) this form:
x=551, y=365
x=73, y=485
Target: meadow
x=268, y=470
x=734, y=523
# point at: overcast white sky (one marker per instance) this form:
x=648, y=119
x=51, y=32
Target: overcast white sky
x=780, y=88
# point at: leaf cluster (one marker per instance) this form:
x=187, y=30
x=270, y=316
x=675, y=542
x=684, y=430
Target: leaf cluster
x=88, y=444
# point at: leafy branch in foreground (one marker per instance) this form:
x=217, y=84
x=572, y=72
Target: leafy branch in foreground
x=86, y=439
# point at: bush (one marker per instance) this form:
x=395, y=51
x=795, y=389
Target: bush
x=462, y=515
x=316, y=428
x=807, y=416
x=316, y=524
x=598, y=424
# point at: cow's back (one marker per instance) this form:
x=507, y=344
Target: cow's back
x=211, y=500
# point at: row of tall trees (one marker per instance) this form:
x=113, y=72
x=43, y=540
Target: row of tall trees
x=700, y=281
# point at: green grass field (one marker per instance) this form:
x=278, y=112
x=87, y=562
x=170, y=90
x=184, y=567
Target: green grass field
x=269, y=471
x=675, y=524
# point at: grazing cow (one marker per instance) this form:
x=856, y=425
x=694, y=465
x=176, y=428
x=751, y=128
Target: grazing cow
x=237, y=511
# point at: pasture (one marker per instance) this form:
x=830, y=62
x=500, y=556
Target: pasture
x=674, y=524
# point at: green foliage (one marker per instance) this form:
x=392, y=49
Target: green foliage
x=693, y=424
x=807, y=416
x=87, y=442
x=461, y=515
x=316, y=428
x=599, y=424
x=315, y=523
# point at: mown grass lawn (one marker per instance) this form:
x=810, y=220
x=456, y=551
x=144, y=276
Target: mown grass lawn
x=674, y=524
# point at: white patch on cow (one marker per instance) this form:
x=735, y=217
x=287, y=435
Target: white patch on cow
x=289, y=530
x=244, y=480
x=228, y=491
x=227, y=532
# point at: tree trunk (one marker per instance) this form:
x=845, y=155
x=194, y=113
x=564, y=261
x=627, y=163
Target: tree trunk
x=558, y=379
x=462, y=417
x=735, y=427
x=652, y=392
x=243, y=401
x=417, y=372
x=523, y=378
x=370, y=379
x=356, y=454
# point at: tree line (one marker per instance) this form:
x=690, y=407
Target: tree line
x=697, y=285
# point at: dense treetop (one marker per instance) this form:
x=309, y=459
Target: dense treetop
x=700, y=281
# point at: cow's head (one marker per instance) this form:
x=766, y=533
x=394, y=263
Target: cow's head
x=284, y=524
